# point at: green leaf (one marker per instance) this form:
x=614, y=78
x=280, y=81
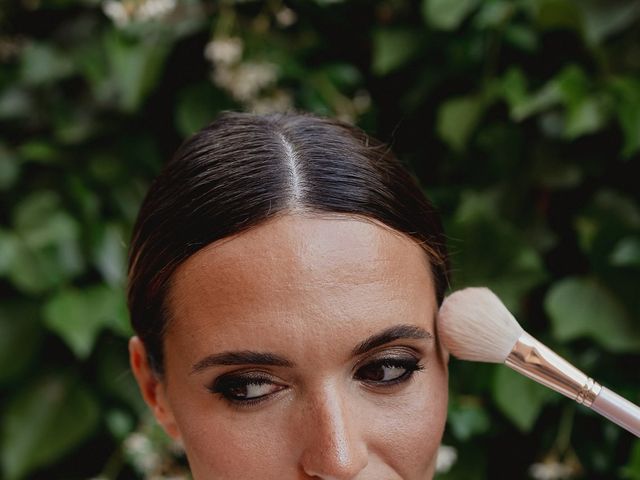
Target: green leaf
x=20, y=337
x=47, y=250
x=626, y=253
x=603, y=19
x=119, y=423
x=344, y=75
x=457, y=120
x=626, y=91
x=521, y=37
x=9, y=168
x=467, y=418
x=392, y=49
x=35, y=271
x=42, y=64
x=110, y=254
x=492, y=252
x=43, y=422
x=586, y=116
x=135, y=66
x=559, y=14
x=8, y=249
x=197, y=106
x=582, y=307
x=519, y=398
x=38, y=151
x=493, y=14
x=114, y=376
x=15, y=102
x=40, y=220
x=610, y=217
x=525, y=106
x=631, y=470
x=78, y=316
x=585, y=112
x=447, y=14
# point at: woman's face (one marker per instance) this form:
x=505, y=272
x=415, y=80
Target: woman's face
x=303, y=348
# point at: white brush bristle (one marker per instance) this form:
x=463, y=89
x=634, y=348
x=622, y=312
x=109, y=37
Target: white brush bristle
x=473, y=324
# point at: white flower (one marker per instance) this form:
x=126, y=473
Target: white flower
x=551, y=470
x=122, y=12
x=361, y=101
x=445, y=459
x=280, y=101
x=117, y=12
x=246, y=79
x=155, y=9
x=286, y=17
x=224, y=51
x=139, y=448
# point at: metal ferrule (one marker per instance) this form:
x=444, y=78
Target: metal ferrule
x=532, y=359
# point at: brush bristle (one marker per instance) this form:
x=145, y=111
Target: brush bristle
x=473, y=324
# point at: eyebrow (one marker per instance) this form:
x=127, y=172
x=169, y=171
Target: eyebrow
x=248, y=357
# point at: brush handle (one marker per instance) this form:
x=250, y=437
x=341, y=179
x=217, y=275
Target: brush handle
x=534, y=360
x=617, y=409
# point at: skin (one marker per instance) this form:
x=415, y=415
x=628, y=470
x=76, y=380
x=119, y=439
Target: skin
x=309, y=289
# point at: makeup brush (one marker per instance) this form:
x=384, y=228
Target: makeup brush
x=473, y=324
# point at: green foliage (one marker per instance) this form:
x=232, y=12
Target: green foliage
x=78, y=316
x=44, y=421
x=520, y=118
x=447, y=14
x=582, y=307
x=520, y=399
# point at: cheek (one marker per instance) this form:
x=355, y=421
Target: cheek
x=409, y=436
x=225, y=444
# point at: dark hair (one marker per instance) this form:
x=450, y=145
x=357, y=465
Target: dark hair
x=245, y=168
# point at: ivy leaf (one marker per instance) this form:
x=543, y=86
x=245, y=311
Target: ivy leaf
x=20, y=337
x=9, y=168
x=467, y=419
x=110, y=254
x=197, y=105
x=626, y=253
x=447, y=14
x=78, y=316
x=626, y=91
x=457, y=120
x=43, y=422
x=392, y=49
x=42, y=64
x=632, y=469
x=585, y=112
x=605, y=18
x=559, y=14
x=582, y=307
x=47, y=248
x=8, y=248
x=493, y=252
x=135, y=66
x=519, y=398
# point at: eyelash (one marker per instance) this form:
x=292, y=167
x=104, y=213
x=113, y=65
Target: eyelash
x=225, y=384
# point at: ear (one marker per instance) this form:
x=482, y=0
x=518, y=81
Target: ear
x=151, y=387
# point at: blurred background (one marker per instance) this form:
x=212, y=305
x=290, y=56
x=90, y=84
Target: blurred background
x=520, y=118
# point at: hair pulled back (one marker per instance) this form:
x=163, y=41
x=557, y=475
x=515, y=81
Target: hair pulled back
x=245, y=168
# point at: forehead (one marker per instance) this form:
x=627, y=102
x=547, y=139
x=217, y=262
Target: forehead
x=300, y=276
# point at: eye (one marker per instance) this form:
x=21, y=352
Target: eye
x=388, y=371
x=245, y=390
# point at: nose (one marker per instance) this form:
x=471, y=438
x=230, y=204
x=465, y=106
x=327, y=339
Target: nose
x=335, y=447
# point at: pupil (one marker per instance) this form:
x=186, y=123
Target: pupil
x=239, y=391
x=375, y=373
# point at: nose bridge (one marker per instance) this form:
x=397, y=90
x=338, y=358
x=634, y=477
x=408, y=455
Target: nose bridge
x=335, y=446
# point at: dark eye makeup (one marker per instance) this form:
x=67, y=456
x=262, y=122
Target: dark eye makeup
x=250, y=388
